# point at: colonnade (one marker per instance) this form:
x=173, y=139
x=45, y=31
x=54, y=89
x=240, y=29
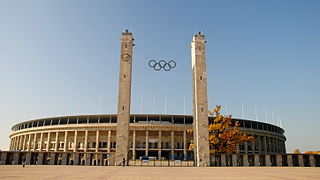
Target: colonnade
x=54, y=141
x=141, y=142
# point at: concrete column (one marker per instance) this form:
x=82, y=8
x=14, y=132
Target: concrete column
x=10, y=146
x=28, y=158
x=65, y=145
x=40, y=159
x=29, y=142
x=57, y=143
x=260, y=144
x=41, y=141
x=289, y=159
x=300, y=158
x=75, y=141
x=76, y=159
x=35, y=142
x=15, y=158
x=312, y=161
x=3, y=158
x=159, y=145
x=223, y=160
x=268, y=162
x=52, y=158
x=246, y=147
x=256, y=160
x=253, y=145
x=16, y=144
x=11, y=143
x=24, y=142
x=97, y=140
x=109, y=141
x=265, y=144
x=48, y=141
x=13, y=139
x=245, y=160
x=147, y=143
x=87, y=158
x=184, y=142
x=134, y=144
x=273, y=144
x=86, y=141
x=20, y=142
x=172, y=143
x=234, y=160
x=64, y=159
x=279, y=159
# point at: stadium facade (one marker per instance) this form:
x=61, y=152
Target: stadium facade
x=126, y=136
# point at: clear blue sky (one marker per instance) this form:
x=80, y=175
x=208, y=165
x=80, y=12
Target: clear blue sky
x=62, y=58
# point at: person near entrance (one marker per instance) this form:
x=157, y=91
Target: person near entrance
x=123, y=162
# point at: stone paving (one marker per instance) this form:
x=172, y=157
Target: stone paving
x=145, y=173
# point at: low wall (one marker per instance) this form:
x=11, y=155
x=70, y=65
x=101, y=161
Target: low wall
x=107, y=159
x=55, y=158
x=290, y=160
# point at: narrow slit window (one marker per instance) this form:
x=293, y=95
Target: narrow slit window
x=122, y=108
x=201, y=78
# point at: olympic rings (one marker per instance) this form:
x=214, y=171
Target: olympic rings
x=162, y=64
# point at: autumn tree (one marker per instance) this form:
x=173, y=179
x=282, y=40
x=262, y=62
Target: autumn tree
x=224, y=135
x=297, y=151
x=312, y=152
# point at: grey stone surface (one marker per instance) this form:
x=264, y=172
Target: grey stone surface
x=124, y=98
x=200, y=101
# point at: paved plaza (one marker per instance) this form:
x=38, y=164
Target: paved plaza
x=94, y=172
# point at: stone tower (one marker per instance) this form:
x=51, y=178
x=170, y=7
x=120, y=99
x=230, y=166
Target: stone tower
x=200, y=102
x=124, y=97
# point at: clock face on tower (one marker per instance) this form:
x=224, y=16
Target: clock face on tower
x=125, y=57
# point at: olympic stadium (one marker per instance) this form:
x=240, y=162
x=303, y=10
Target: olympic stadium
x=159, y=136
x=113, y=139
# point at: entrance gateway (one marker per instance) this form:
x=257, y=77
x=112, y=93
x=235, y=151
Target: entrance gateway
x=200, y=102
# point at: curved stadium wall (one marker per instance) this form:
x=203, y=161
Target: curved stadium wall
x=160, y=136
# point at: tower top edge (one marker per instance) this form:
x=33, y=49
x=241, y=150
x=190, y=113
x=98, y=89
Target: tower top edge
x=126, y=32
